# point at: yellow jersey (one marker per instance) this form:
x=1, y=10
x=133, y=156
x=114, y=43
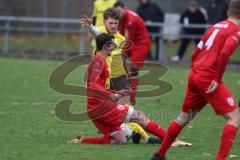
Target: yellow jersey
x=115, y=61
x=99, y=7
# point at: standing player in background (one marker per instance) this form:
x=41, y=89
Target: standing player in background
x=133, y=28
x=205, y=84
x=151, y=12
x=99, y=7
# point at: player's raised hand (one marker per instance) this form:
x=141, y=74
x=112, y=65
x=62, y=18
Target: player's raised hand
x=213, y=86
x=86, y=21
x=115, y=97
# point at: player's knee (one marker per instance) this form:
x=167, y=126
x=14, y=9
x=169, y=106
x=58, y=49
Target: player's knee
x=184, y=118
x=181, y=122
x=122, y=141
x=233, y=118
x=119, y=137
x=140, y=118
x=236, y=120
x=143, y=116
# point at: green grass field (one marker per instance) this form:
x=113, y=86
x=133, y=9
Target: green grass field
x=29, y=129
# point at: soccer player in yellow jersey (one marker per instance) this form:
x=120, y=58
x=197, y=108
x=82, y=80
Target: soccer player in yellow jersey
x=118, y=79
x=118, y=72
x=99, y=7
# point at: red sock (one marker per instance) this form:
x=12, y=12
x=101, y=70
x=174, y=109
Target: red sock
x=134, y=86
x=96, y=140
x=155, y=129
x=228, y=136
x=173, y=130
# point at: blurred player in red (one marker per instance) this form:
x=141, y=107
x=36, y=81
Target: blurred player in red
x=103, y=105
x=133, y=28
x=205, y=84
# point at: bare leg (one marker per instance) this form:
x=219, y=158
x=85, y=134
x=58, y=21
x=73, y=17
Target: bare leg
x=148, y=125
x=119, y=137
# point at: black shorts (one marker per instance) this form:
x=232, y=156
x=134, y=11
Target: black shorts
x=119, y=83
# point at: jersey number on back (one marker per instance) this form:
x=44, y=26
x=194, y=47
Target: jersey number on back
x=211, y=39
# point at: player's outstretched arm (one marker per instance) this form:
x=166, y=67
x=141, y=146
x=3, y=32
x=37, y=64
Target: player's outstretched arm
x=88, y=22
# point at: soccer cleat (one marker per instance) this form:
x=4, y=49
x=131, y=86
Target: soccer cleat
x=136, y=138
x=179, y=143
x=157, y=157
x=76, y=140
x=154, y=140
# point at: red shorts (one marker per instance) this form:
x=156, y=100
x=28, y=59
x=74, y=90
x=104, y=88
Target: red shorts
x=138, y=54
x=111, y=122
x=195, y=99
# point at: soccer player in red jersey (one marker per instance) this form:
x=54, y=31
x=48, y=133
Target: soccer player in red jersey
x=103, y=105
x=205, y=84
x=133, y=28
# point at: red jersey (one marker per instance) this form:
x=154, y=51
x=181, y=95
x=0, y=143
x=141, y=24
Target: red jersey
x=133, y=28
x=212, y=53
x=98, y=73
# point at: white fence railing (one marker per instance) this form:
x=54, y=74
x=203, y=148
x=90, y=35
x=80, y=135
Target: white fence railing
x=43, y=28
x=9, y=21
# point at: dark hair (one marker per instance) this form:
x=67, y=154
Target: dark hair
x=103, y=39
x=234, y=8
x=111, y=13
x=119, y=4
